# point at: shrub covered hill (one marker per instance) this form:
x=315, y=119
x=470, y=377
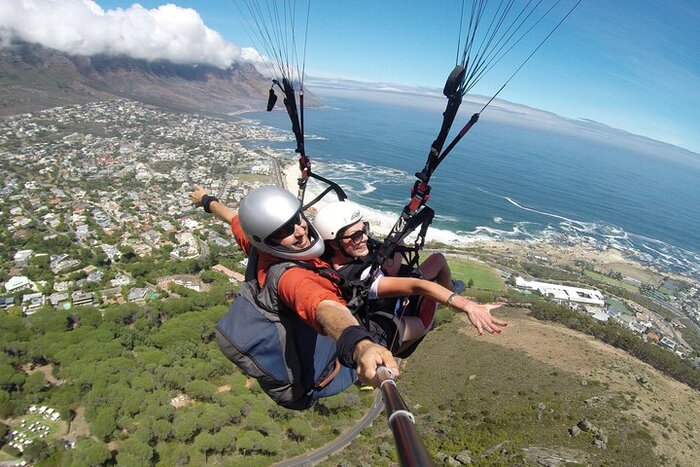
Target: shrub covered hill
x=538, y=394
x=146, y=385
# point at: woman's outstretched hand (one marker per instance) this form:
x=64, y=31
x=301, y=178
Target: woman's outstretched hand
x=480, y=315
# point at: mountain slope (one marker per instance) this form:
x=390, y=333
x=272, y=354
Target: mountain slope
x=512, y=400
x=33, y=77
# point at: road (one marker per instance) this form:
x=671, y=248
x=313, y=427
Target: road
x=317, y=455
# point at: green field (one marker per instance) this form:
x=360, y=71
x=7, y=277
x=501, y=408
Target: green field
x=484, y=277
x=609, y=280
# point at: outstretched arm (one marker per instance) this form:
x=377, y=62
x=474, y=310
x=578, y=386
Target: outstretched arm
x=479, y=315
x=334, y=318
x=219, y=209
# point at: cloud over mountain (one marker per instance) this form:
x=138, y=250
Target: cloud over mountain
x=82, y=27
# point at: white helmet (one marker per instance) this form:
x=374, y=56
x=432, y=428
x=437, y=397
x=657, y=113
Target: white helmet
x=266, y=210
x=334, y=217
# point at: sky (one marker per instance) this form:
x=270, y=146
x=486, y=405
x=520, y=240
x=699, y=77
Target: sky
x=632, y=65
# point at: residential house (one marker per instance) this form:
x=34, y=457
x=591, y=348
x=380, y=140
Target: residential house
x=113, y=292
x=95, y=276
x=192, y=285
x=56, y=298
x=83, y=298
x=190, y=224
x=668, y=342
x=61, y=263
x=141, y=249
x=22, y=257
x=137, y=294
x=120, y=280
x=637, y=326
x=17, y=283
x=32, y=302
x=62, y=286
x=112, y=252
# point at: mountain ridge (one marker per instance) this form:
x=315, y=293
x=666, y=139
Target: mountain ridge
x=34, y=77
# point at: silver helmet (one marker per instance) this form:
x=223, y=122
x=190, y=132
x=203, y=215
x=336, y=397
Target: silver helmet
x=270, y=211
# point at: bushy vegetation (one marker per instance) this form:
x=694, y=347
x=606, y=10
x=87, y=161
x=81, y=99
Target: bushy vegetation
x=119, y=369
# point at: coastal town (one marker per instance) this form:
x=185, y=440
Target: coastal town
x=107, y=179
x=90, y=190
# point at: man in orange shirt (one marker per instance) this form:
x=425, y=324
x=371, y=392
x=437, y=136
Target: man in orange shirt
x=271, y=220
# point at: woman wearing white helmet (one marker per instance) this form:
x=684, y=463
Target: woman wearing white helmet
x=342, y=226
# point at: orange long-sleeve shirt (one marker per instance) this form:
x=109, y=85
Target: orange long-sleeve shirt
x=299, y=289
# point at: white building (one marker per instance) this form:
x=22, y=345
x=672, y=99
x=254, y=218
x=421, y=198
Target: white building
x=564, y=293
x=22, y=257
x=32, y=302
x=668, y=342
x=16, y=283
x=190, y=224
x=120, y=280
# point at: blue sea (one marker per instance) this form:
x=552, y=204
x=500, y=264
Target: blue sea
x=519, y=174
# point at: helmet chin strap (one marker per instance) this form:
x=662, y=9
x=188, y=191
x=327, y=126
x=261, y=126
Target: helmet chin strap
x=341, y=248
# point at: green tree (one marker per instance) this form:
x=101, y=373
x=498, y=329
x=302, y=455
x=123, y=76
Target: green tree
x=10, y=379
x=259, y=420
x=202, y=390
x=143, y=382
x=34, y=383
x=91, y=452
x=174, y=455
x=299, y=430
x=213, y=418
x=38, y=450
x=249, y=442
x=87, y=316
x=46, y=320
x=134, y=453
x=162, y=430
x=105, y=422
x=203, y=442
x=184, y=426
x=222, y=442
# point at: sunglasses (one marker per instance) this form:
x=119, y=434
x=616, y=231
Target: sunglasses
x=358, y=235
x=288, y=228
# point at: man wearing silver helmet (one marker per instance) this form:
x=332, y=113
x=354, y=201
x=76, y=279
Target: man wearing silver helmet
x=271, y=220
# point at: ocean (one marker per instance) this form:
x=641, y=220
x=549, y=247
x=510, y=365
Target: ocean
x=519, y=174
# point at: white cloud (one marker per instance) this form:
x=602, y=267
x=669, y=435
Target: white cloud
x=82, y=27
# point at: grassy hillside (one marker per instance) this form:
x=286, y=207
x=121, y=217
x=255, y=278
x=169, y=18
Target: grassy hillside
x=512, y=399
x=484, y=276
